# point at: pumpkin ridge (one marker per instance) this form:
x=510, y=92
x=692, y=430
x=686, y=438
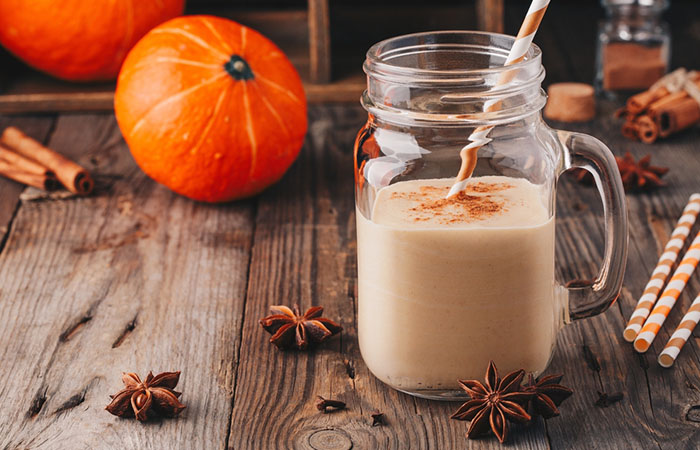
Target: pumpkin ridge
x=170, y=59
x=279, y=88
x=210, y=122
x=217, y=35
x=250, y=131
x=174, y=97
x=272, y=109
x=192, y=38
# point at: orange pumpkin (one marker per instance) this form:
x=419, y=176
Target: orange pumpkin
x=79, y=39
x=210, y=108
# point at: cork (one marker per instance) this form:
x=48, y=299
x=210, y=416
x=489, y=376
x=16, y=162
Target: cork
x=570, y=102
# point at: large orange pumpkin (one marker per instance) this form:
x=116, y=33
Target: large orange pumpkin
x=79, y=39
x=210, y=108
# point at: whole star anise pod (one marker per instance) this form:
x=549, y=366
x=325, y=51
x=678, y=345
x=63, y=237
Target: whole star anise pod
x=290, y=329
x=494, y=403
x=640, y=174
x=636, y=175
x=547, y=395
x=155, y=394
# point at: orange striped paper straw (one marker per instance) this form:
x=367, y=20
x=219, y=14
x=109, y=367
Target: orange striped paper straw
x=680, y=336
x=668, y=298
x=517, y=53
x=663, y=268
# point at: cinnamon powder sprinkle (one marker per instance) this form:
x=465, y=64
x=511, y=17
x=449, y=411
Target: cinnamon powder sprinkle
x=486, y=188
x=461, y=208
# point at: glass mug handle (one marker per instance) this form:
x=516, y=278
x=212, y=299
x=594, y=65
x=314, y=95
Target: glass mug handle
x=589, y=298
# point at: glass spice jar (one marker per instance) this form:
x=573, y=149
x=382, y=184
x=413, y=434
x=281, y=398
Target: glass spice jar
x=633, y=45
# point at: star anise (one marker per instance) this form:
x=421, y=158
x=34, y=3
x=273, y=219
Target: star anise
x=636, y=175
x=640, y=174
x=547, y=395
x=153, y=395
x=290, y=329
x=494, y=403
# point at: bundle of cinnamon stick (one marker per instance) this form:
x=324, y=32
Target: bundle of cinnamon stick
x=26, y=161
x=672, y=104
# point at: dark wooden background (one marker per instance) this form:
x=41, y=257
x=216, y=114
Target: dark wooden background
x=136, y=278
x=354, y=27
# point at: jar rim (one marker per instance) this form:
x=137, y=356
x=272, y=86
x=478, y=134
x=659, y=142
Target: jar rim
x=449, y=77
x=379, y=56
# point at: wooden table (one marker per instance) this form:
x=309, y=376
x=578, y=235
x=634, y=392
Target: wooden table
x=135, y=278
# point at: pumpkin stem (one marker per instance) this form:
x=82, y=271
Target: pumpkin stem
x=238, y=68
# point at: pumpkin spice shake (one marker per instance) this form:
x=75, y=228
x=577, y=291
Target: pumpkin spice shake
x=433, y=304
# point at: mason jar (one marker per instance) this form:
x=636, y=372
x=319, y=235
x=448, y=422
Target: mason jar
x=448, y=283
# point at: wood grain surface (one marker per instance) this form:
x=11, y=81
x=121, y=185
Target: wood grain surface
x=136, y=278
x=131, y=279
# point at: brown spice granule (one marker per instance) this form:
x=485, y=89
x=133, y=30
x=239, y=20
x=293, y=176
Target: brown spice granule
x=459, y=208
x=486, y=188
x=467, y=206
x=477, y=187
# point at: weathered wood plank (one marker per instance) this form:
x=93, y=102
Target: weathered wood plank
x=653, y=412
x=304, y=252
x=300, y=255
x=314, y=241
x=133, y=278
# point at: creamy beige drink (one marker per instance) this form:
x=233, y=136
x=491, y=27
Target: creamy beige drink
x=445, y=285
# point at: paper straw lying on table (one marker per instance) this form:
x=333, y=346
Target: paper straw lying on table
x=663, y=268
x=681, y=335
x=668, y=298
x=517, y=53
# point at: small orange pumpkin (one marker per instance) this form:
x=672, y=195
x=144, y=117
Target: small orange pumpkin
x=79, y=39
x=210, y=108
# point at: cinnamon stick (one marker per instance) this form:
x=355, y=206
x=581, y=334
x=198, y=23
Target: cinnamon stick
x=677, y=116
x=23, y=164
x=638, y=103
x=71, y=175
x=675, y=112
x=664, y=102
x=648, y=130
x=38, y=180
x=629, y=130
